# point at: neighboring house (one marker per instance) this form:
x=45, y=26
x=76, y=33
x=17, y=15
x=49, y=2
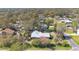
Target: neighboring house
x=8, y=31
x=37, y=34
x=41, y=17
x=67, y=22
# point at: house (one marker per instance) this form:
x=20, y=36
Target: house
x=37, y=34
x=41, y=17
x=8, y=31
x=67, y=21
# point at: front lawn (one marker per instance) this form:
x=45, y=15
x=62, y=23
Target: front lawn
x=56, y=48
x=34, y=45
x=76, y=39
x=63, y=48
x=35, y=48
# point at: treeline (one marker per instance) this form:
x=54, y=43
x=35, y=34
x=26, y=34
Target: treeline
x=31, y=15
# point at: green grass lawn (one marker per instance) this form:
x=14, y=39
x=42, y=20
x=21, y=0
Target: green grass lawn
x=34, y=48
x=63, y=48
x=5, y=48
x=76, y=39
x=38, y=48
x=52, y=48
x=56, y=48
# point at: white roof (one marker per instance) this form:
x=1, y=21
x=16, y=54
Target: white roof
x=37, y=34
x=66, y=21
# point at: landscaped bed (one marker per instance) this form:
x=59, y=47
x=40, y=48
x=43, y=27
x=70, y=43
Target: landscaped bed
x=64, y=46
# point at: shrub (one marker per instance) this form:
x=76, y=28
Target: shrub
x=13, y=40
x=26, y=46
x=16, y=46
x=65, y=43
x=10, y=41
x=52, y=42
x=60, y=43
x=36, y=42
x=5, y=42
x=44, y=42
x=52, y=45
x=1, y=45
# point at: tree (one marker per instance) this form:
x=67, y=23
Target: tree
x=60, y=27
x=49, y=20
x=74, y=25
x=44, y=42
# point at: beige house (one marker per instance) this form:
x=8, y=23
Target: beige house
x=8, y=31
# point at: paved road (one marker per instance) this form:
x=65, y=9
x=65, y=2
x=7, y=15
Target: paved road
x=72, y=43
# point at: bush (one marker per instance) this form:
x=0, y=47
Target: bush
x=59, y=44
x=1, y=45
x=36, y=42
x=6, y=42
x=52, y=45
x=10, y=41
x=26, y=46
x=44, y=42
x=65, y=43
x=19, y=46
x=16, y=46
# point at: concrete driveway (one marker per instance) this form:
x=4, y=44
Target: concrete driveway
x=71, y=42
